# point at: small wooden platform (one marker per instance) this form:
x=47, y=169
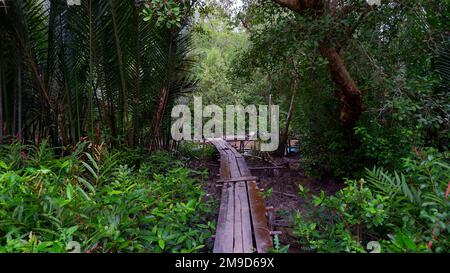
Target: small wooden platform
x=242, y=224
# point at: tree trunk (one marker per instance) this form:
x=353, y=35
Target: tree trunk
x=164, y=94
x=302, y=5
x=91, y=90
x=347, y=91
x=14, y=113
x=137, y=123
x=123, y=84
x=154, y=142
x=284, y=134
x=19, y=102
x=1, y=101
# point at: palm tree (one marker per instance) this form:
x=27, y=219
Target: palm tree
x=96, y=70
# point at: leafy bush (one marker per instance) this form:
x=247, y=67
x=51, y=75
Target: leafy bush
x=384, y=146
x=338, y=221
x=277, y=247
x=89, y=202
x=160, y=162
x=195, y=150
x=405, y=212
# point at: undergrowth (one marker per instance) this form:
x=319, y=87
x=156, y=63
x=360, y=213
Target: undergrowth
x=400, y=211
x=94, y=200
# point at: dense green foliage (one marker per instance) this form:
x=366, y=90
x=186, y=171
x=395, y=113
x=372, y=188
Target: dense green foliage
x=217, y=44
x=397, y=54
x=197, y=151
x=92, y=201
x=97, y=69
x=109, y=72
x=405, y=212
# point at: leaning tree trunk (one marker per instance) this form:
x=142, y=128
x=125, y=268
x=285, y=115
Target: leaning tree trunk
x=156, y=128
x=156, y=139
x=347, y=91
x=284, y=134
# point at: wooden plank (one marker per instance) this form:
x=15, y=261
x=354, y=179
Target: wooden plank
x=243, y=228
x=238, y=179
x=220, y=243
x=246, y=172
x=234, y=169
x=234, y=225
x=243, y=167
x=267, y=168
x=224, y=168
x=259, y=221
x=224, y=242
x=238, y=225
x=234, y=151
x=243, y=213
x=228, y=243
x=243, y=241
x=225, y=222
x=263, y=240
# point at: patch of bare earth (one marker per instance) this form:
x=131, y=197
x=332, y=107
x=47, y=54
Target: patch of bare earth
x=284, y=198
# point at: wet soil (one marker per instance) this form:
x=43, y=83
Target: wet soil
x=281, y=188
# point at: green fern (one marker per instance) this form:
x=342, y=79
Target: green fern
x=392, y=185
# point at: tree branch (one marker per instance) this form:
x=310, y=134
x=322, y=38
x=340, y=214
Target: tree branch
x=302, y=5
x=290, y=4
x=361, y=18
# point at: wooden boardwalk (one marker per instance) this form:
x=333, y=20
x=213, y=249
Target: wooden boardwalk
x=242, y=224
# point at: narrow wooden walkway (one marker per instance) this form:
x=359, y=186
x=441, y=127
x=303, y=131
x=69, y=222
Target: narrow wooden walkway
x=242, y=224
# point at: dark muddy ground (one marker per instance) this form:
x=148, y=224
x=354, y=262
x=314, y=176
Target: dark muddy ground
x=280, y=191
x=284, y=198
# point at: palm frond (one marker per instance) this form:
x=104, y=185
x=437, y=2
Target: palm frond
x=392, y=185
